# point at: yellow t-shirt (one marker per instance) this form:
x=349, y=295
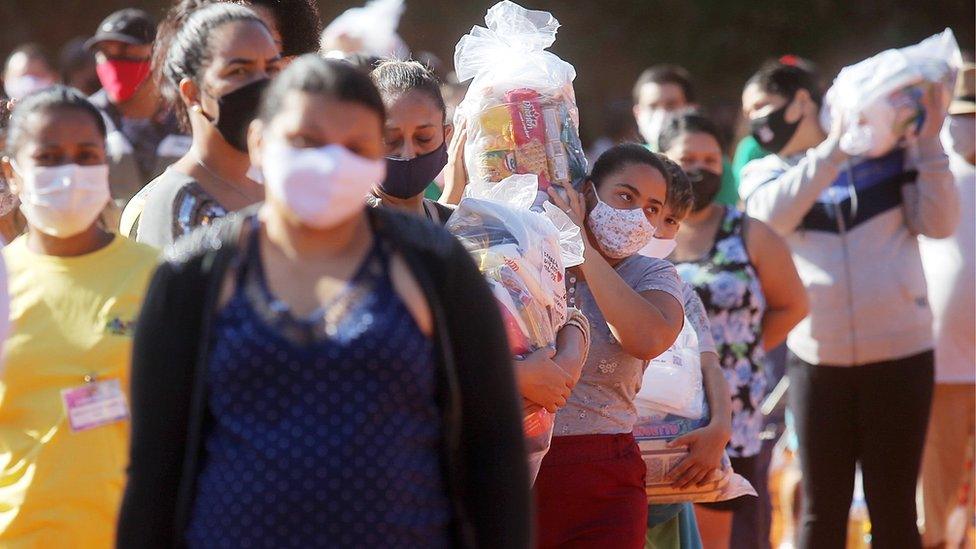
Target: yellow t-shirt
x=71, y=317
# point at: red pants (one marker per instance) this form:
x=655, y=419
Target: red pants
x=590, y=493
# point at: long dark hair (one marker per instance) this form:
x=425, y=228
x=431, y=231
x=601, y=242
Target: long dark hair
x=188, y=52
x=395, y=77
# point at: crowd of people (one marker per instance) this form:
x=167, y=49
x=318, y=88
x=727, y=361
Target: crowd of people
x=236, y=318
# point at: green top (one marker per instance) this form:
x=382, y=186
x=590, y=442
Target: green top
x=433, y=192
x=748, y=150
x=728, y=193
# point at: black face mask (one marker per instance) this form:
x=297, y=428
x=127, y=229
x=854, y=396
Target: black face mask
x=408, y=178
x=772, y=131
x=705, y=185
x=236, y=110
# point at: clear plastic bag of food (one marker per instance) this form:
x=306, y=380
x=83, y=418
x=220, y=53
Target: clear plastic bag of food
x=666, y=412
x=523, y=255
x=520, y=109
x=880, y=98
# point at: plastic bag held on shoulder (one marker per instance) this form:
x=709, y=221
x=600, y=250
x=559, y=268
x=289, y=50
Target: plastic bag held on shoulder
x=880, y=98
x=520, y=109
x=523, y=255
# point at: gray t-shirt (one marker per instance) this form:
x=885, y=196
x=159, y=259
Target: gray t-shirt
x=698, y=317
x=171, y=205
x=603, y=400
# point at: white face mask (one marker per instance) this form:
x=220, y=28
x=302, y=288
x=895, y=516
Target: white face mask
x=619, y=233
x=63, y=200
x=255, y=175
x=650, y=124
x=22, y=86
x=322, y=187
x=659, y=248
x=962, y=131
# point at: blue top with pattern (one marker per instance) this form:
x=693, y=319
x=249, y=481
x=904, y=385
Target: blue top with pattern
x=326, y=431
x=728, y=285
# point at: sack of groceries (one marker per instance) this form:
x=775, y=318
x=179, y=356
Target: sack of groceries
x=520, y=110
x=671, y=403
x=523, y=255
x=879, y=100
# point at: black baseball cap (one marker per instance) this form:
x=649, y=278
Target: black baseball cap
x=131, y=25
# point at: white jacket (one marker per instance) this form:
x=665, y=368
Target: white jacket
x=852, y=228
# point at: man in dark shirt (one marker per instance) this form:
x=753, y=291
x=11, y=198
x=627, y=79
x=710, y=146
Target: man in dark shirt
x=143, y=137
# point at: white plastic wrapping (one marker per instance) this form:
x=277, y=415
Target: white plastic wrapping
x=370, y=29
x=523, y=255
x=880, y=98
x=520, y=109
x=671, y=403
x=672, y=382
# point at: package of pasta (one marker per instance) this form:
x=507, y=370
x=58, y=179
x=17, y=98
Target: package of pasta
x=520, y=110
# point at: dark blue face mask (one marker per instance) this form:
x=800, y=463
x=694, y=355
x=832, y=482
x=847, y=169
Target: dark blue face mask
x=408, y=178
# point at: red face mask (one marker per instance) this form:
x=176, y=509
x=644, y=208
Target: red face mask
x=122, y=77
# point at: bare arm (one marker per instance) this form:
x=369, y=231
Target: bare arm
x=645, y=323
x=573, y=345
x=783, y=200
x=786, y=297
x=455, y=174
x=718, y=396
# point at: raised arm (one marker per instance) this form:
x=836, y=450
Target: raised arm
x=932, y=202
x=645, y=321
x=782, y=199
x=455, y=174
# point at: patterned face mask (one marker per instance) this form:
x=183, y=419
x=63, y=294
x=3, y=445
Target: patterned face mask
x=8, y=200
x=619, y=233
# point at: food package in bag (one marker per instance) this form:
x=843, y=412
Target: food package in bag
x=520, y=109
x=523, y=255
x=658, y=424
x=879, y=100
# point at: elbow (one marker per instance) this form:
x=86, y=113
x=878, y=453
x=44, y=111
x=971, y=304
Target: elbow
x=647, y=353
x=651, y=347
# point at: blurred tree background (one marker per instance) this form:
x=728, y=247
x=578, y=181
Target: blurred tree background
x=610, y=41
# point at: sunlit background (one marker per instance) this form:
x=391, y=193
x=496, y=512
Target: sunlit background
x=610, y=41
